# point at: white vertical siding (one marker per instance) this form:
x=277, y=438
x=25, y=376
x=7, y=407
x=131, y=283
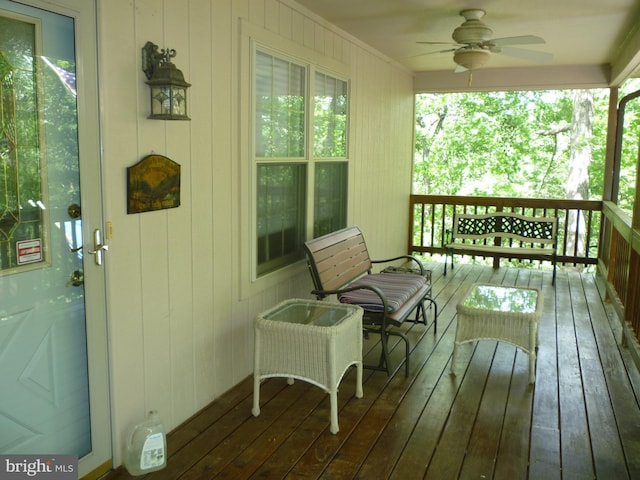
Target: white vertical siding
x=206, y=28
x=180, y=325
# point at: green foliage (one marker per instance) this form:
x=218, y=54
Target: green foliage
x=513, y=144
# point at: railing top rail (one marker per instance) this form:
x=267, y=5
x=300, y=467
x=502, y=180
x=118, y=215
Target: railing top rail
x=548, y=203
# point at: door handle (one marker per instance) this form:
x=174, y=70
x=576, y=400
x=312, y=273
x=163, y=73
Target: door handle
x=76, y=279
x=98, y=246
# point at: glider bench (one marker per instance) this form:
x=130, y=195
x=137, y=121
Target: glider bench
x=503, y=235
x=340, y=265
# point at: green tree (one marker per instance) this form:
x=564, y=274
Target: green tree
x=520, y=144
x=580, y=158
x=501, y=143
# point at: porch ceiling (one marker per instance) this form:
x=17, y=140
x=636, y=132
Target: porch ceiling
x=596, y=38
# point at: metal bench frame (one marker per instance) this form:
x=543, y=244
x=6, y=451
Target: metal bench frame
x=337, y=259
x=511, y=235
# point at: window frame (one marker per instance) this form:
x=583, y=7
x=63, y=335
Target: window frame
x=268, y=42
x=308, y=160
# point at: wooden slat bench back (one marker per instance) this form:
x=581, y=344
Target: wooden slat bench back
x=339, y=260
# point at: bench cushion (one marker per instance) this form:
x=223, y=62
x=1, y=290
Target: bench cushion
x=397, y=288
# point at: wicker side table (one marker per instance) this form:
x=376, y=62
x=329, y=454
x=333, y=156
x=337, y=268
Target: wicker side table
x=505, y=314
x=309, y=340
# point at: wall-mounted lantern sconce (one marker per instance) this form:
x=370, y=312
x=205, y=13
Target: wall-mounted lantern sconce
x=166, y=82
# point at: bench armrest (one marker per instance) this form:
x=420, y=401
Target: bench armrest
x=406, y=257
x=323, y=293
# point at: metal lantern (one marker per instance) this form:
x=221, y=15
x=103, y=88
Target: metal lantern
x=167, y=85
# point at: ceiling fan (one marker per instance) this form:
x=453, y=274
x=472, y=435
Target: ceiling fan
x=473, y=43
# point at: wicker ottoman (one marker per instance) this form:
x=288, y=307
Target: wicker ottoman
x=308, y=340
x=506, y=314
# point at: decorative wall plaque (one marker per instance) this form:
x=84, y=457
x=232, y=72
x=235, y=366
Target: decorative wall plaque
x=153, y=184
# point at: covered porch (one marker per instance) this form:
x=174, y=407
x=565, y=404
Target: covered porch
x=579, y=420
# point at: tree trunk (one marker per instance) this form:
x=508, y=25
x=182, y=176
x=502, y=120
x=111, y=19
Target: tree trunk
x=577, y=186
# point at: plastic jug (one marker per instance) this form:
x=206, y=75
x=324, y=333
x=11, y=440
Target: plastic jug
x=146, y=449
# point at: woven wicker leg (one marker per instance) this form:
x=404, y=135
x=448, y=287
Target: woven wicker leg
x=532, y=366
x=333, y=397
x=452, y=367
x=256, y=396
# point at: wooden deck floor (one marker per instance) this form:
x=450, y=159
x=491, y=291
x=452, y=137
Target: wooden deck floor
x=580, y=420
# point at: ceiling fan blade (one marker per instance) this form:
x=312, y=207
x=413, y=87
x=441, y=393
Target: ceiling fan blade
x=437, y=43
x=443, y=51
x=530, y=55
x=521, y=40
x=448, y=50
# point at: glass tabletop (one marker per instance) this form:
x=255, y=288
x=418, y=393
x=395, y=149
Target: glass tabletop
x=322, y=315
x=502, y=299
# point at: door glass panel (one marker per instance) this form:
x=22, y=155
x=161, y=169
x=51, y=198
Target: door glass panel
x=22, y=211
x=44, y=406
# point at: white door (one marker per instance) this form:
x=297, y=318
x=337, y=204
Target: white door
x=53, y=363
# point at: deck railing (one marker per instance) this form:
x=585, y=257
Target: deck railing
x=620, y=258
x=431, y=216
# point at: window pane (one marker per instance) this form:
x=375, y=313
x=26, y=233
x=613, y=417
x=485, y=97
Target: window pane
x=281, y=215
x=330, y=206
x=280, y=107
x=330, y=117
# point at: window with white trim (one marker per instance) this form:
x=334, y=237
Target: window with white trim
x=301, y=157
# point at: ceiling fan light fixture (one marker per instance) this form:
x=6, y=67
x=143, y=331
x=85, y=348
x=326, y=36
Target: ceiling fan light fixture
x=471, y=59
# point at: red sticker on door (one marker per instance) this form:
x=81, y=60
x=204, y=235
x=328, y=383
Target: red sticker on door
x=29, y=251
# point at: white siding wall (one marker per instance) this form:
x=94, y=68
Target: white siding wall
x=180, y=302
